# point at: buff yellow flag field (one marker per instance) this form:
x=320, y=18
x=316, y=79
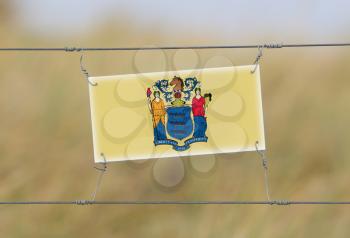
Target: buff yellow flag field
x=176, y=113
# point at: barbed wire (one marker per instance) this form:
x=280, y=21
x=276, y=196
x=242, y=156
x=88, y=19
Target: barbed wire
x=173, y=202
x=168, y=202
x=267, y=46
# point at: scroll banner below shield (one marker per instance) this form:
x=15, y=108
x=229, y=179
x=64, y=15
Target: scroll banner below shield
x=176, y=113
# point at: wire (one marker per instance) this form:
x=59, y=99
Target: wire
x=154, y=202
x=99, y=180
x=77, y=49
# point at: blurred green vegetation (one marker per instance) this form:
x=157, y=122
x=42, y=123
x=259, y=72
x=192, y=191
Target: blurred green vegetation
x=46, y=145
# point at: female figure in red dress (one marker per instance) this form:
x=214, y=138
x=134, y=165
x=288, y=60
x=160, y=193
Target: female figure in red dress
x=198, y=110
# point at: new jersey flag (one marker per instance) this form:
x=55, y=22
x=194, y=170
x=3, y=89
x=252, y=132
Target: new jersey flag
x=176, y=113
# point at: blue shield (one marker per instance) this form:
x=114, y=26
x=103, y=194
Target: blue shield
x=179, y=124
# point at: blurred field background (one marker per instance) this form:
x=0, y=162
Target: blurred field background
x=45, y=131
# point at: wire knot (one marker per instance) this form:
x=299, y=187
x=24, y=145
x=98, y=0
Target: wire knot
x=72, y=49
x=272, y=45
x=83, y=202
x=280, y=202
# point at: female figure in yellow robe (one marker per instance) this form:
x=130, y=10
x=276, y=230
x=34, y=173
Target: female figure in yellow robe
x=157, y=108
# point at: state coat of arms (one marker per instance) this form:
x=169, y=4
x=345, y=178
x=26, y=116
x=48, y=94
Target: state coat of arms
x=178, y=111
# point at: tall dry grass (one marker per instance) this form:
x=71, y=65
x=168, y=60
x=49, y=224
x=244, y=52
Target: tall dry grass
x=46, y=146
